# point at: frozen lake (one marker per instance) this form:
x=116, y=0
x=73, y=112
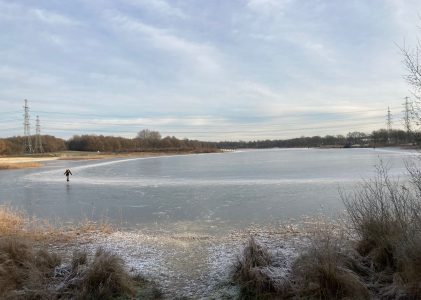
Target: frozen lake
x=197, y=193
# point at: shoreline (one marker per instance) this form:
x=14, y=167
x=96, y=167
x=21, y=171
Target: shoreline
x=26, y=161
x=181, y=265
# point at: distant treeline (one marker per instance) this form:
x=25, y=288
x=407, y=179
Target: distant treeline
x=377, y=138
x=14, y=145
x=146, y=140
x=120, y=144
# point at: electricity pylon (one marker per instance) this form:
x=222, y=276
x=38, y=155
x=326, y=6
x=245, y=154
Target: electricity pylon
x=407, y=115
x=38, y=141
x=27, y=144
x=388, y=124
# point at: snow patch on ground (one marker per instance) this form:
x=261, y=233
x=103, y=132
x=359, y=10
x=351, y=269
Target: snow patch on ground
x=191, y=265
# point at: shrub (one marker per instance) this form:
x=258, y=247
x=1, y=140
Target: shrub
x=326, y=271
x=24, y=272
x=79, y=258
x=254, y=273
x=386, y=217
x=106, y=278
x=383, y=213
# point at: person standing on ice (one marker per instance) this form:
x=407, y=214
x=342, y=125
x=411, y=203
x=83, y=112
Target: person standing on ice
x=67, y=173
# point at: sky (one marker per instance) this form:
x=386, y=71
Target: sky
x=209, y=70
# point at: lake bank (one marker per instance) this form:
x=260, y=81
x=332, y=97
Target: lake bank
x=37, y=160
x=179, y=265
x=23, y=162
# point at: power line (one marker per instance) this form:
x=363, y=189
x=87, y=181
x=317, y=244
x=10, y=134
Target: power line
x=104, y=122
x=294, y=115
x=281, y=127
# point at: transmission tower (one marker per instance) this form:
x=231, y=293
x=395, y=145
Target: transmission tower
x=388, y=124
x=27, y=144
x=407, y=115
x=38, y=142
x=389, y=120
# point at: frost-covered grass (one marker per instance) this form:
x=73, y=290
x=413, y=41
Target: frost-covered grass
x=26, y=273
x=195, y=265
x=180, y=265
x=36, y=263
x=375, y=254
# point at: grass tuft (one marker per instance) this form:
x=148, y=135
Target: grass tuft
x=106, y=278
x=254, y=273
x=27, y=273
x=79, y=258
x=326, y=271
x=11, y=221
x=24, y=273
x=386, y=217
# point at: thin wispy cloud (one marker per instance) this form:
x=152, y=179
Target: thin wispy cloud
x=158, y=6
x=52, y=17
x=198, y=53
x=268, y=6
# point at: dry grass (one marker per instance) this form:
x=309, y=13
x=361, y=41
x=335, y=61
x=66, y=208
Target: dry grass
x=88, y=157
x=12, y=221
x=380, y=256
x=253, y=273
x=327, y=271
x=21, y=165
x=87, y=227
x=24, y=272
x=383, y=213
x=104, y=277
x=27, y=273
x=17, y=224
x=386, y=217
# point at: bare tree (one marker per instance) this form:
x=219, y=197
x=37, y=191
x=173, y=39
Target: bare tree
x=150, y=135
x=411, y=60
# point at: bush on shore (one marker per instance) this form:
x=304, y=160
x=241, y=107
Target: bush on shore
x=253, y=272
x=29, y=274
x=327, y=271
x=30, y=269
x=380, y=257
x=385, y=215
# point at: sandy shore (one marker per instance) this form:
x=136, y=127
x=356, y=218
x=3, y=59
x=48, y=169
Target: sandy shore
x=7, y=163
x=23, y=162
x=24, y=159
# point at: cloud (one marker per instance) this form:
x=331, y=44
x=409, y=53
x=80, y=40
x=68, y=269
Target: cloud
x=268, y=6
x=203, y=55
x=52, y=18
x=24, y=78
x=13, y=11
x=158, y=6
